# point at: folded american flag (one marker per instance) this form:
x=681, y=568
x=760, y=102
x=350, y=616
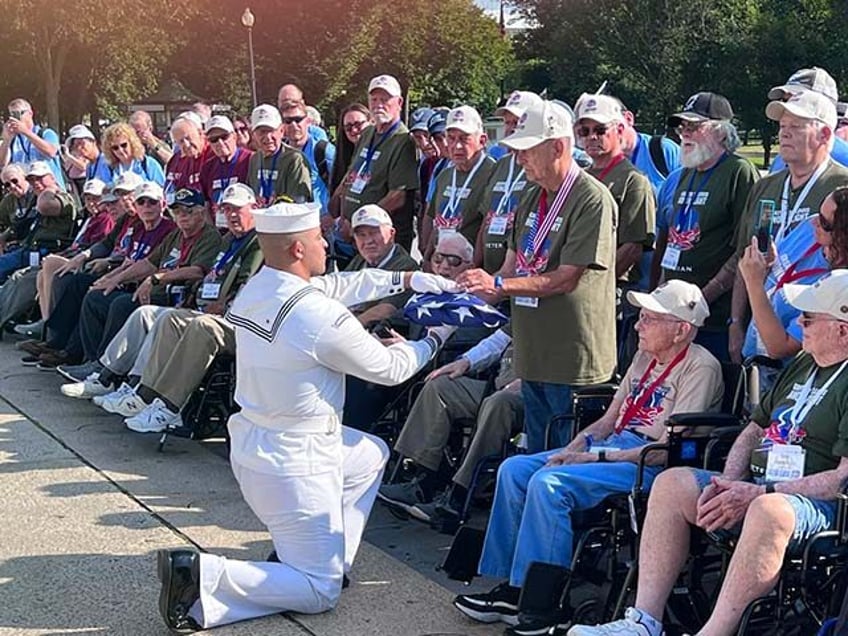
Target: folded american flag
x=455, y=310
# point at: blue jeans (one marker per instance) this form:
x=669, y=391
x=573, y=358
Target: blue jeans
x=811, y=515
x=531, y=514
x=12, y=261
x=543, y=400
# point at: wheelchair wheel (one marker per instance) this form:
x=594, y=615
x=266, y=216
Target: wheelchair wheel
x=589, y=612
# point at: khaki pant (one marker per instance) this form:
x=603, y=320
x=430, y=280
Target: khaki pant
x=185, y=346
x=441, y=402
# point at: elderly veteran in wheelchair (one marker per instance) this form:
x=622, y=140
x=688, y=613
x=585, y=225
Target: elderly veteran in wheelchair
x=779, y=485
x=536, y=495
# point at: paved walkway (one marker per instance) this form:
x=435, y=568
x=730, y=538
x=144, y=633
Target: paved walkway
x=84, y=503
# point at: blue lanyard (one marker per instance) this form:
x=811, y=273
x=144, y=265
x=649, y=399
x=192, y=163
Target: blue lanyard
x=92, y=170
x=691, y=197
x=372, y=147
x=266, y=186
x=227, y=256
x=226, y=181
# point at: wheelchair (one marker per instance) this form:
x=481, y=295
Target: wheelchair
x=210, y=406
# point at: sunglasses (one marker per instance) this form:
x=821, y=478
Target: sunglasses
x=242, y=130
x=11, y=182
x=217, y=138
x=825, y=225
x=121, y=146
x=34, y=177
x=585, y=131
x=354, y=125
x=147, y=201
x=689, y=127
x=294, y=120
x=452, y=259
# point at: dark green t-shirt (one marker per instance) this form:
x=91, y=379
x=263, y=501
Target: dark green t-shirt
x=570, y=338
x=174, y=251
x=637, y=209
x=50, y=228
x=824, y=429
x=459, y=198
x=769, y=191
x=289, y=175
x=508, y=179
x=393, y=166
x=702, y=228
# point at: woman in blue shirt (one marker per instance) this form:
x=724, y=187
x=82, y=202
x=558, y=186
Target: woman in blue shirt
x=124, y=152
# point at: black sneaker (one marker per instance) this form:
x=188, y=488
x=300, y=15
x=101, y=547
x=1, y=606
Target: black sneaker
x=501, y=604
x=30, y=361
x=540, y=624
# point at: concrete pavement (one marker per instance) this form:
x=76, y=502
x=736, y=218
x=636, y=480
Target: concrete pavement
x=84, y=504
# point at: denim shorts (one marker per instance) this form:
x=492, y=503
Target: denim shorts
x=811, y=515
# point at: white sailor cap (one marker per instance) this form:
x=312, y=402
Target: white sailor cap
x=288, y=218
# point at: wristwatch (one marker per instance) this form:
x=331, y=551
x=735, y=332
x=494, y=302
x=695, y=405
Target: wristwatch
x=769, y=487
x=155, y=279
x=499, y=282
x=602, y=456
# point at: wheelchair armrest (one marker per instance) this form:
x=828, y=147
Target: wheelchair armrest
x=761, y=361
x=644, y=453
x=842, y=516
x=704, y=419
x=607, y=389
x=555, y=422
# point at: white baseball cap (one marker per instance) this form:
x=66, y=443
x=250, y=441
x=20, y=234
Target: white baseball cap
x=150, y=190
x=38, y=169
x=94, y=187
x=466, y=119
x=674, y=298
x=518, y=102
x=221, y=123
x=239, y=195
x=109, y=196
x=191, y=116
x=387, y=83
x=127, y=182
x=806, y=105
x=602, y=109
x=80, y=131
x=265, y=116
x=372, y=215
x=540, y=123
x=287, y=218
x=828, y=295
x=807, y=79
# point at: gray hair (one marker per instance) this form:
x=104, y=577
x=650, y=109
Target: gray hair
x=463, y=247
x=727, y=135
x=16, y=168
x=20, y=104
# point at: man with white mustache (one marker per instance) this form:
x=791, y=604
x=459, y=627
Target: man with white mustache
x=384, y=169
x=696, y=232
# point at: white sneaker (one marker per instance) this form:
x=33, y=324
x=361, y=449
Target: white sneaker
x=634, y=623
x=114, y=395
x=88, y=388
x=154, y=419
x=124, y=402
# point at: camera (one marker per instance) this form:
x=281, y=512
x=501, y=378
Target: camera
x=17, y=114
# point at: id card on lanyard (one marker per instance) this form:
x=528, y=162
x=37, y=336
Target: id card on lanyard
x=451, y=217
x=363, y=175
x=267, y=177
x=789, y=218
x=499, y=222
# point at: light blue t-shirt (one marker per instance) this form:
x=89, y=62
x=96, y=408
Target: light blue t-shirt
x=665, y=199
x=645, y=164
x=792, y=255
x=99, y=169
x=23, y=151
x=320, y=190
x=839, y=153
x=148, y=169
x=316, y=133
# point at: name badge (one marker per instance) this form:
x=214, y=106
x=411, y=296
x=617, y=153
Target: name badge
x=34, y=259
x=527, y=301
x=220, y=218
x=210, y=291
x=359, y=183
x=785, y=462
x=498, y=225
x=671, y=258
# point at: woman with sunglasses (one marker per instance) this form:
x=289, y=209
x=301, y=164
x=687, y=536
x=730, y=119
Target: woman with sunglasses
x=809, y=253
x=124, y=152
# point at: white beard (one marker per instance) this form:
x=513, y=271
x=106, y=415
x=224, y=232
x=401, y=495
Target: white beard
x=693, y=158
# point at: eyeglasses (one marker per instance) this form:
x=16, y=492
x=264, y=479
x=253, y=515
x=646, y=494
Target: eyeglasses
x=452, y=259
x=294, y=120
x=647, y=319
x=689, y=127
x=585, y=131
x=355, y=125
x=11, y=182
x=841, y=123
x=35, y=177
x=825, y=225
x=121, y=146
x=147, y=201
x=242, y=130
x=217, y=138
x=805, y=319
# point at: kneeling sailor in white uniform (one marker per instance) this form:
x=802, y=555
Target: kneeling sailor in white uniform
x=311, y=481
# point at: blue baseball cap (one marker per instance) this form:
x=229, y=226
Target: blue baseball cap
x=188, y=198
x=420, y=119
x=437, y=124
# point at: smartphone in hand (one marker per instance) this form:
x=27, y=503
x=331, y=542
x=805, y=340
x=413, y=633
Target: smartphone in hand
x=765, y=223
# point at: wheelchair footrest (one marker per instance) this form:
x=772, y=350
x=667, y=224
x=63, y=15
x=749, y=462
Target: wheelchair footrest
x=462, y=559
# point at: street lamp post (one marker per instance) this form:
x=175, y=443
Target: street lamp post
x=248, y=20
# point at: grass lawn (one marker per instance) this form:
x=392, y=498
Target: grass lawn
x=754, y=153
